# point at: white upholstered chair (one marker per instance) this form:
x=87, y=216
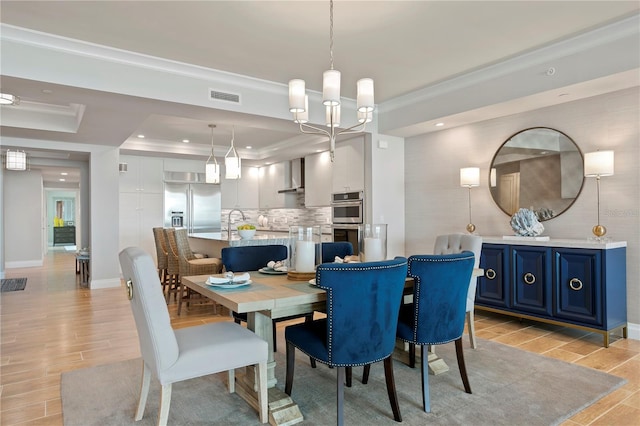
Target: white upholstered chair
x=457, y=243
x=177, y=355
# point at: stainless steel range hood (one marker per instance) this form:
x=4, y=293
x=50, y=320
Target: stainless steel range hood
x=294, y=176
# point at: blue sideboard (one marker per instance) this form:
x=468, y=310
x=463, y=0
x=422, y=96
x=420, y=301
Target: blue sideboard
x=575, y=283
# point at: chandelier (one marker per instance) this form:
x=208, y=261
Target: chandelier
x=212, y=169
x=299, y=101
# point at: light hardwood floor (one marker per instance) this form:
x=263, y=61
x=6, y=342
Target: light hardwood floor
x=54, y=326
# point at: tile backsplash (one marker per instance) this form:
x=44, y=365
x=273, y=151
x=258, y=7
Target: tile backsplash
x=281, y=219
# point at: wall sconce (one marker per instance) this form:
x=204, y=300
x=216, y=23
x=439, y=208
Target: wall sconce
x=16, y=160
x=597, y=164
x=469, y=178
x=123, y=167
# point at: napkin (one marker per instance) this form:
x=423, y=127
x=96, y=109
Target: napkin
x=277, y=266
x=347, y=259
x=237, y=279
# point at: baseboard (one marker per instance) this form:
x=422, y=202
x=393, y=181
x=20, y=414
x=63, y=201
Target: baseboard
x=24, y=264
x=633, y=331
x=106, y=283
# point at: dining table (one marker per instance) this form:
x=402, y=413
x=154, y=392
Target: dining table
x=265, y=297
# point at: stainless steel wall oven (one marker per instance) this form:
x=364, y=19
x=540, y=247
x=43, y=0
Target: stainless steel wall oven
x=347, y=214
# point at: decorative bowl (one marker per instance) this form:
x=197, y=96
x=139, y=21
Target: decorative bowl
x=246, y=234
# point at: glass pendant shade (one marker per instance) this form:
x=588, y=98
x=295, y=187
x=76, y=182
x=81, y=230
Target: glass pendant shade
x=331, y=87
x=470, y=177
x=233, y=168
x=212, y=173
x=297, y=96
x=599, y=163
x=16, y=160
x=364, y=88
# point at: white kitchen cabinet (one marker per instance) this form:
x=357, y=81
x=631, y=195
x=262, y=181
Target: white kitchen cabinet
x=272, y=179
x=139, y=213
x=144, y=174
x=318, y=172
x=243, y=193
x=348, y=166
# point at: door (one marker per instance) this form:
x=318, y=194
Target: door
x=509, y=195
x=531, y=276
x=578, y=285
x=493, y=286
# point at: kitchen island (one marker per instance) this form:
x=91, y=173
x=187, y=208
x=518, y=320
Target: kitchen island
x=212, y=243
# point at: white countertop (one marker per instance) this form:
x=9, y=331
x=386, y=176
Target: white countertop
x=555, y=242
x=260, y=238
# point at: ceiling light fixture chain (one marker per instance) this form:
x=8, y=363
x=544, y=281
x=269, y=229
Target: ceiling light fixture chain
x=299, y=101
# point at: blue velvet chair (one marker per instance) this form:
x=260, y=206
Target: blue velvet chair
x=340, y=249
x=363, y=301
x=252, y=258
x=437, y=313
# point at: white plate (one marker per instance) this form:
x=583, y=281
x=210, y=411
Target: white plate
x=271, y=271
x=312, y=281
x=229, y=285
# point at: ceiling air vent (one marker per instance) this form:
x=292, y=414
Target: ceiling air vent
x=222, y=96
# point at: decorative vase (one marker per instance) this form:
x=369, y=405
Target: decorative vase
x=373, y=242
x=305, y=248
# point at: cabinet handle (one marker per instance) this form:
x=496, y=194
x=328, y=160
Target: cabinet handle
x=529, y=278
x=575, y=284
x=490, y=274
x=130, y=289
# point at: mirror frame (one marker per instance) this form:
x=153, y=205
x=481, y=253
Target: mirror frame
x=493, y=160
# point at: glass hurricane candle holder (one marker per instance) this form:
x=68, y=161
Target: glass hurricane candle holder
x=305, y=247
x=373, y=242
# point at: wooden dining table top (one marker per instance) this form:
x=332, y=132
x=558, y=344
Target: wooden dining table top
x=275, y=293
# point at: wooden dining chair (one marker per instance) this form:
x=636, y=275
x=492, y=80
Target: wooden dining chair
x=437, y=313
x=457, y=243
x=162, y=257
x=177, y=355
x=363, y=301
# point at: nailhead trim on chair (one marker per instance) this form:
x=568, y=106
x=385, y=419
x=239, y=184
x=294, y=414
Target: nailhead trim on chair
x=330, y=309
x=417, y=298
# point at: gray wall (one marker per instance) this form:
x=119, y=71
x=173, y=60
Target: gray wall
x=435, y=202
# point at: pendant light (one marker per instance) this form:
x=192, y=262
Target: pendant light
x=232, y=162
x=212, y=169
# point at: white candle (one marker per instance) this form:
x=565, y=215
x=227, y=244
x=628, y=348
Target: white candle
x=373, y=250
x=305, y=256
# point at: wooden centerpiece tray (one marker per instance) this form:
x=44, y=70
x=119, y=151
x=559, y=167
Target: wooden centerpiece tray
x=300, y=276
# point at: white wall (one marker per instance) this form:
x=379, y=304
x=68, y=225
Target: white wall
x=436, y=204
x=22, y=217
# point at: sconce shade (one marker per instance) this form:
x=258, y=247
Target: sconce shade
x=331, y=87
x=365, y=95
x=16, y=160
x=470, y=177
x=297, y=95
x=598, y=163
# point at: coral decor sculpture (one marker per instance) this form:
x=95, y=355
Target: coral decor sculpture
x=525, y=223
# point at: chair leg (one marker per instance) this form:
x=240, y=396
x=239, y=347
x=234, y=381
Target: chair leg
x=461, y=366
x=340, y=396
x=180, y=295
x=165, y=402
x=424, y=366
x=144, y=391
x=365, y=374
x=348, y=376
x=307, y=319
x=391, y=388
x=412, y=355
x=291, y=359
x=472, y=328
x=263, y=399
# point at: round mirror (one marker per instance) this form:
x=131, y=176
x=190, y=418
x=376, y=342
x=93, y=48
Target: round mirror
x=540, y=169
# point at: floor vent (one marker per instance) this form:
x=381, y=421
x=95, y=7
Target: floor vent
x=222, y=96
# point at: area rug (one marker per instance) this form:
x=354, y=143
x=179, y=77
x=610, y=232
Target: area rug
x=510, y=387
x=13, y=284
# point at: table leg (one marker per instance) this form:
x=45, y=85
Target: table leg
x=436, y=364
x=282, y=410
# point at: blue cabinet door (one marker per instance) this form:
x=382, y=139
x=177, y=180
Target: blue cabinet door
x=531, y=277
x=578, y=291
x=493, y=287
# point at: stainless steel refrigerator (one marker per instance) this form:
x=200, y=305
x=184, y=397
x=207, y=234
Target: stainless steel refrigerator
x=191, y=204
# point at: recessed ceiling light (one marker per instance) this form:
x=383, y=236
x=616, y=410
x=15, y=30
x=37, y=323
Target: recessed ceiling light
x=248, y=147
x=64, y=173
x=47, y=91
x=185, y=140
x=9, y=99
x=141, y=136
x=439, y=124
x=62, y=180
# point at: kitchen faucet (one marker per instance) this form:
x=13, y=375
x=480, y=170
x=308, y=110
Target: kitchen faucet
x=229, y=221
